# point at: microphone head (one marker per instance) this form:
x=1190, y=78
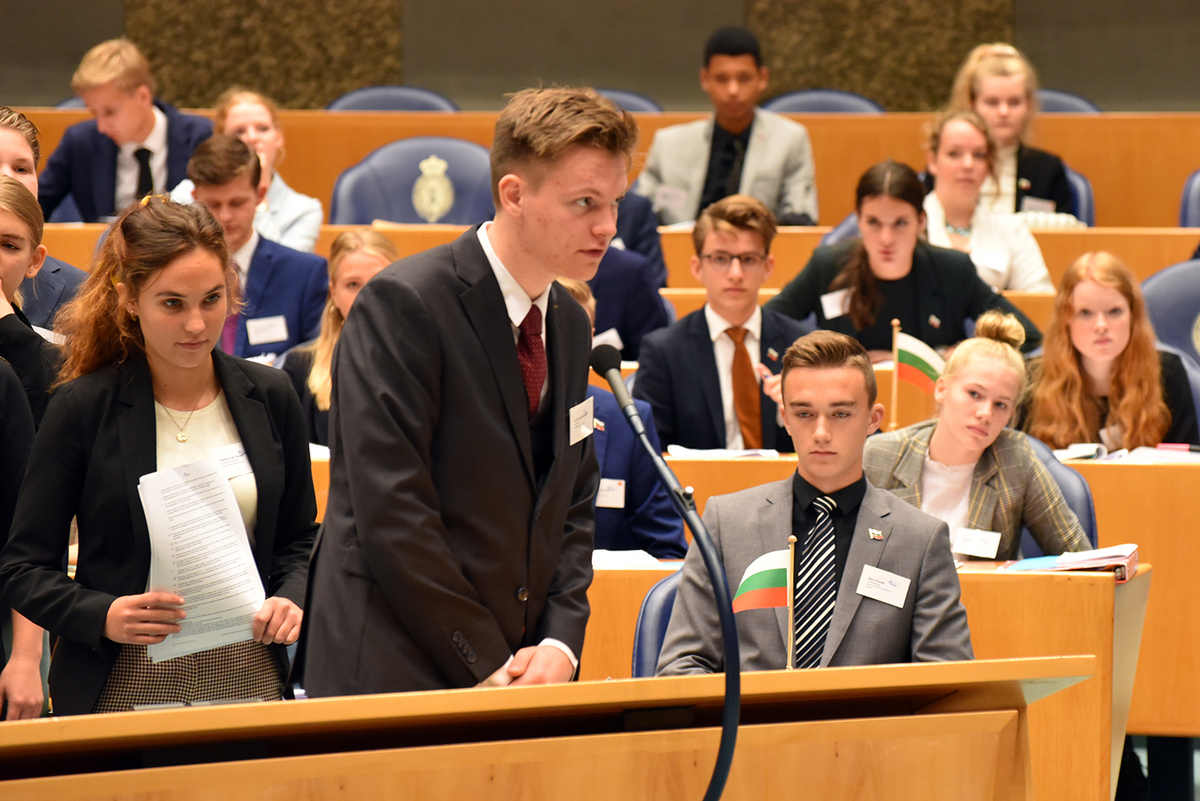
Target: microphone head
x=605, y=358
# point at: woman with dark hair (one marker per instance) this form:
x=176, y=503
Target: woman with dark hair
x=889, y=272
x=1101, y=379
x=143, y=389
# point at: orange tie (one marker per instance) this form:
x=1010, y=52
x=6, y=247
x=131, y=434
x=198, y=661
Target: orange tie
x=747, y=397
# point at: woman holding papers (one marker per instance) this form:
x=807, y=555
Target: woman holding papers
x=962, y=155
x=143, y=391
x=966, y=467
x=354, y=258
x=1101, y=379
x=859, y=287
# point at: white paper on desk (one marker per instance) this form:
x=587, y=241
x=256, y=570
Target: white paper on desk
x=199, y=550
x=680, y=452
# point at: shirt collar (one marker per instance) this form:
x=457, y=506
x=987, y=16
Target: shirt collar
x=718, y=325
x=848, y=498
x=516, y=299
x=244, y=255
x=156, y=142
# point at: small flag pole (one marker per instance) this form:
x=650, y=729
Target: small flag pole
x=791, y=569
x=894, y=424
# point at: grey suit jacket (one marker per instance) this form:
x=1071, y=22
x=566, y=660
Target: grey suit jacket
x=778, y=169
x=930, y=627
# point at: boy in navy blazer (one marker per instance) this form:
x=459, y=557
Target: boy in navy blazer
x=283, y=290
x=135, y=146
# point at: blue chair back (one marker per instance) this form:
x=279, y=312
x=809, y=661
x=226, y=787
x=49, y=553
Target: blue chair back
x=74, y=101
x=846, y=229
x=66, y=211
x=425, y=179
x=652, y=622
x=1083, y=196
x=1054, y=101
x=1076, y=492
x=631, y=101
x=1173, y=303
x=1189, y=205
x=393, y=98
x=822, y=101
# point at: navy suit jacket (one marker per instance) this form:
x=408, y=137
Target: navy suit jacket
x=52, y=288
x=637, y=228
x=677, y=374
x=648, y=522
x=282, y=282
x=627, y=299
x=84, y=165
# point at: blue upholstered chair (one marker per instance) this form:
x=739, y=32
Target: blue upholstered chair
x=1083, y=196
x=1054, y=101
x=846, y=229
x=1076, y=492
x=392, y=98
x=1173, y=303
x=631, y=101
x=74, y=101
x=425, y=179
x=822, y=101
x=1189, y=205
x=66, y=211
x=652, y=622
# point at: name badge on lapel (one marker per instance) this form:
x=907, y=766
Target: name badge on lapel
x=581, y=421
x=232, y=460
x=883, y=586
x=267, y=329
x=611, y=494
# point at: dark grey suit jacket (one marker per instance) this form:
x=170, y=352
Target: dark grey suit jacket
x=930, y=627
x=441, y=554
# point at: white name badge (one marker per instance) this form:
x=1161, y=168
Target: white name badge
x=883, y=586
x=611, y=494
x=673, y=199
x=267, y=329
x=609, y=337
x=581, y=422
x=835, y=304
x=232, y=460
x=1029, y=203
x=975, y=542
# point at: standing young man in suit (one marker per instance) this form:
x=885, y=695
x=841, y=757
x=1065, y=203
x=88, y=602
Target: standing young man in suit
x=740, y=149
x=284, y=290
x=457, y=542
x=702, y=374
x=874, y=579
x=136, y=146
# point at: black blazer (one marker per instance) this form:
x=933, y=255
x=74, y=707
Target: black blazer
x=84, y=165
x=35, y=361
x=96, y=442
x=52, y=288
x=442, y=552
x=677, y=375
x=1039, y=174
x=297, y=363
x=949, y=291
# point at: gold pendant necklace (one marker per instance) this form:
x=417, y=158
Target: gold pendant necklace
x=182, y=435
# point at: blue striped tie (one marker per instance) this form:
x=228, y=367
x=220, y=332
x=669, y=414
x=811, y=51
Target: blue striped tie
x=816, y=589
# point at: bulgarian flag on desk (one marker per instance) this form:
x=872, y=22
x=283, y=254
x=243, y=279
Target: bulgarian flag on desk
x=765, y=583
x=916, y=362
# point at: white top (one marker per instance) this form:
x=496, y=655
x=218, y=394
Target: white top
x=243, y=256
x=127, y=164
x=1000, y=196
x=946, y=491
x=1001, y=246
x=207, y=429
x=723, y=351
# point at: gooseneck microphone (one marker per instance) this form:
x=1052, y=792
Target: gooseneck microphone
x=606, y=361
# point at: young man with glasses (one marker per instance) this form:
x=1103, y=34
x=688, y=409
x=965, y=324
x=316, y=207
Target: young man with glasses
x=703, y=375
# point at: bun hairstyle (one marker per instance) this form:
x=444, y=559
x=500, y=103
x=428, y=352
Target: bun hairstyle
x=997, y=60
x=146, y=238
x=997, y=336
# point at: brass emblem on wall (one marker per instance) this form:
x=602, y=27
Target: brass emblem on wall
x=433, y=194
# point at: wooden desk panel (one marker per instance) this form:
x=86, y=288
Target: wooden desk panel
x=1135, y=183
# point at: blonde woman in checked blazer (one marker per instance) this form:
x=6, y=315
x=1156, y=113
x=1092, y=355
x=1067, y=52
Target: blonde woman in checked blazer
x=965, y=466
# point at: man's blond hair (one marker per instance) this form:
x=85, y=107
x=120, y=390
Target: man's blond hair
x=539, y=125
x=117, y=61
x=735, y=213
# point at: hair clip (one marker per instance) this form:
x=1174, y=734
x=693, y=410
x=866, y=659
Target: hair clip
x=146, y=199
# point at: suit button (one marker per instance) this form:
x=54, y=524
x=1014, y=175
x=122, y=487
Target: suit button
x=522, y=595
x=456, y=636
x=470, y=658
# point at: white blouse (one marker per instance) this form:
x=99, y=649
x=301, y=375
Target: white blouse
x=1001, y=246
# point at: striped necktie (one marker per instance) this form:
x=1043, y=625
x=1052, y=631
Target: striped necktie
x=816, y=589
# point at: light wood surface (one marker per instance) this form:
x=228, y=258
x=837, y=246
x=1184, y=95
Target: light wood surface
x=1156, y=506
x=1137, y=163
x=850, y=732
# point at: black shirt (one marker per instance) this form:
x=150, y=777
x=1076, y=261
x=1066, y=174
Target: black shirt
x=845, y=516
x=721, y=160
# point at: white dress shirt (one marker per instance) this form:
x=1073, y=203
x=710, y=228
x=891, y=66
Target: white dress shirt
x=127, y=163
x=1000, y=195
x=242, y=258
x=723, y=351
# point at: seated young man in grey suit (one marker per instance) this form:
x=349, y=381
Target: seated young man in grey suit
x=874, y=579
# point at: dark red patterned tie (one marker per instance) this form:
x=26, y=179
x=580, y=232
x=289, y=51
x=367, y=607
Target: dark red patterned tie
x=531, y=352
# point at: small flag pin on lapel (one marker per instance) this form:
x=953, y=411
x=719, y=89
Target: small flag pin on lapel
x=875, y=533
x=772, y=354
x=934, y=321
x=597, y=424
